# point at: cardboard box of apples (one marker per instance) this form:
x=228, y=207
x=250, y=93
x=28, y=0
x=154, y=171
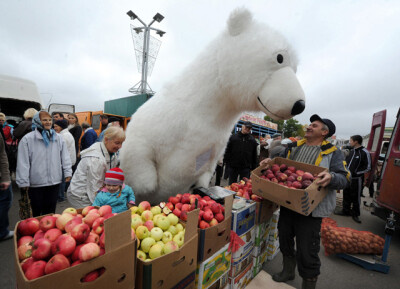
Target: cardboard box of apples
x=214, y=223
x=73, y=247
x=290, y=184
x=167, y=255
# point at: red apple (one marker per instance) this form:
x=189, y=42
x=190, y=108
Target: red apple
x=80, y=233
x=296, y=185
x=291, y=179
x=173, y=200
x=72, y=223
x=75, y=254
x=91, y=217
x=178, y=206
x=300, y=172
x=185, y=199
x=35, y=270
x=47, y=223
x=292, y=169
x=283, y=167
x=179, y=196
x=64, y=245
x=308, y=176
x=89, y=251
x=204, y=225
x=299, y=179
x=25, y=264
x=93, y=238
x=275, y=168
x=104, y=210
x=215, y=208
x=38, y=235
x=219, y=217
x=183, y=216
x=63, y=220
x=306, y=183
x=41, y=249
x=144, y=206
x=208, y=216
x=270, y=176
x=24, y=251
x=98, y=226
x=57, y=263
x=177, y=212
x=28, y=227
x=149, y=224
x=53, y=234
x=282, y=177
x=213, y=222
x=170, y=206
x=86, y=210
x=102, y=240
x=275, y=180
x=206, y=198
x=77, y=262
x=24, y=240
x=91, y=276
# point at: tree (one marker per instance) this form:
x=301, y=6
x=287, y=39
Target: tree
x=280, y=123
x=292, y=127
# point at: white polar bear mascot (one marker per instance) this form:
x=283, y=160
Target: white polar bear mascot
x=174, y=140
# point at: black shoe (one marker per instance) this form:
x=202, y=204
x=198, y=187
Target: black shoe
x=356, y=219
x=341, y=213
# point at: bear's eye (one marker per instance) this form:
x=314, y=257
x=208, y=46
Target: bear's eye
x=279, y=58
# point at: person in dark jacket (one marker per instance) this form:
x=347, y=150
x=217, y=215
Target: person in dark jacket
x=89, y=137
x=6, y=193
x=24, y=126
x=359, y=163
x=76, y=130
x=241, y=153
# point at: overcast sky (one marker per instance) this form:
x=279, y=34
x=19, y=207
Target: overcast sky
x=81, y=52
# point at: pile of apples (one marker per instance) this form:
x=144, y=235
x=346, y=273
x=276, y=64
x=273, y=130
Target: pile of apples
x=157, y=233
x=243, y=189
x=288, y=176
x=59, y=241
x=211, y=213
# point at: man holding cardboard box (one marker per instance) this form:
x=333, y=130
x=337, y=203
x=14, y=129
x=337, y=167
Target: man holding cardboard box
x=316, y=150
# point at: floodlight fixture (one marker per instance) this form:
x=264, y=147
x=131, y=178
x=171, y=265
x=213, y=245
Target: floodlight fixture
x=138, y=30
x=161, y=33
x=158, y=17
x=131, y=14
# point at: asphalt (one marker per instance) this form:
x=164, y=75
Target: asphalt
x=335, y=272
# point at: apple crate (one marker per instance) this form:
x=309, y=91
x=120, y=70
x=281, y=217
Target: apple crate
x=176, y=269
x=298, y=200
x=119, y=262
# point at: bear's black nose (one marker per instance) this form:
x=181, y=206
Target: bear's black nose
x=298, y=107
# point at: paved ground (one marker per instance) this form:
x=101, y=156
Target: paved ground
x=335, y=272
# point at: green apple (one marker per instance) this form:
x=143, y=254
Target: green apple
x=156, y=233
x=156, y=210
x=167, y=236
x=160, y=243
x=170, y=246
x=142, y=232
x=173, y=219
x=155, y=251
x=146, y=244
x=136, y=222
x=134, y=209
x=173, y=230
x=71, y=211
x=141, y=255
x=179, y=227
x=147, y=215
x=179, y=239
x=163, y=223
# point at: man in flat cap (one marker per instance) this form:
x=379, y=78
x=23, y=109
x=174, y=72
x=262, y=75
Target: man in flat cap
x=305, y=230
x=241, y=154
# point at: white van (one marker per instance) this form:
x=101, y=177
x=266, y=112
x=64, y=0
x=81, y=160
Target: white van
x=17, y=95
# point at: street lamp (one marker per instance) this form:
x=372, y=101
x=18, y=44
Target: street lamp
x=141, y=87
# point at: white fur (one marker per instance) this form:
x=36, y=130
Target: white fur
x=191, y=118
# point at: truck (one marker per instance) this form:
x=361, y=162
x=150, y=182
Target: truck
x=93, y=119
x=387, y=195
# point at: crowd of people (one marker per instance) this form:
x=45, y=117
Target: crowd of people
x=57, y=156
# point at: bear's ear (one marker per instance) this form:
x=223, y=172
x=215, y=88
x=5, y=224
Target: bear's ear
x=239, y=20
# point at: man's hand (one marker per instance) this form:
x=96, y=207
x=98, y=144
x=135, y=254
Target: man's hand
x=265, y=162
x=326, y=178
x=67, y=179
x=4, y=185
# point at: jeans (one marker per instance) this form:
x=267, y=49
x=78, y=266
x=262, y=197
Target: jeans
x=6, y=197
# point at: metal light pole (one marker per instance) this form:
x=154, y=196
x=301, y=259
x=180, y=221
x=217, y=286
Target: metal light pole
x=143, y=87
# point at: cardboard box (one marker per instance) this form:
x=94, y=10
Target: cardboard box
x=260, y=233
x=176, y=269
x=238, y=265
x=241, y=280
x=300, y=201
x=243, y=215
x=221, y=282
x=264, y=211
x=258, y=250
x=248, y=246
x=272, y=249
x=119, y=262
x=258, y=262
x=214, y=238
x=211, y=270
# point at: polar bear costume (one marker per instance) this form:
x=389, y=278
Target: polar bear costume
x=174, y=140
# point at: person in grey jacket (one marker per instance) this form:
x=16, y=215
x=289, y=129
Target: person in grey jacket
x=316, y=150
x=43, y=157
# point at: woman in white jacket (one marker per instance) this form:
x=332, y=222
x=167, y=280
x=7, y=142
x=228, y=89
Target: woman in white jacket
x=43, y=160
x=61, y=127
x=95, y=161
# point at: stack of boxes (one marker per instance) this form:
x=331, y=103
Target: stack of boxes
x=273, y=238
x=243, y=222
